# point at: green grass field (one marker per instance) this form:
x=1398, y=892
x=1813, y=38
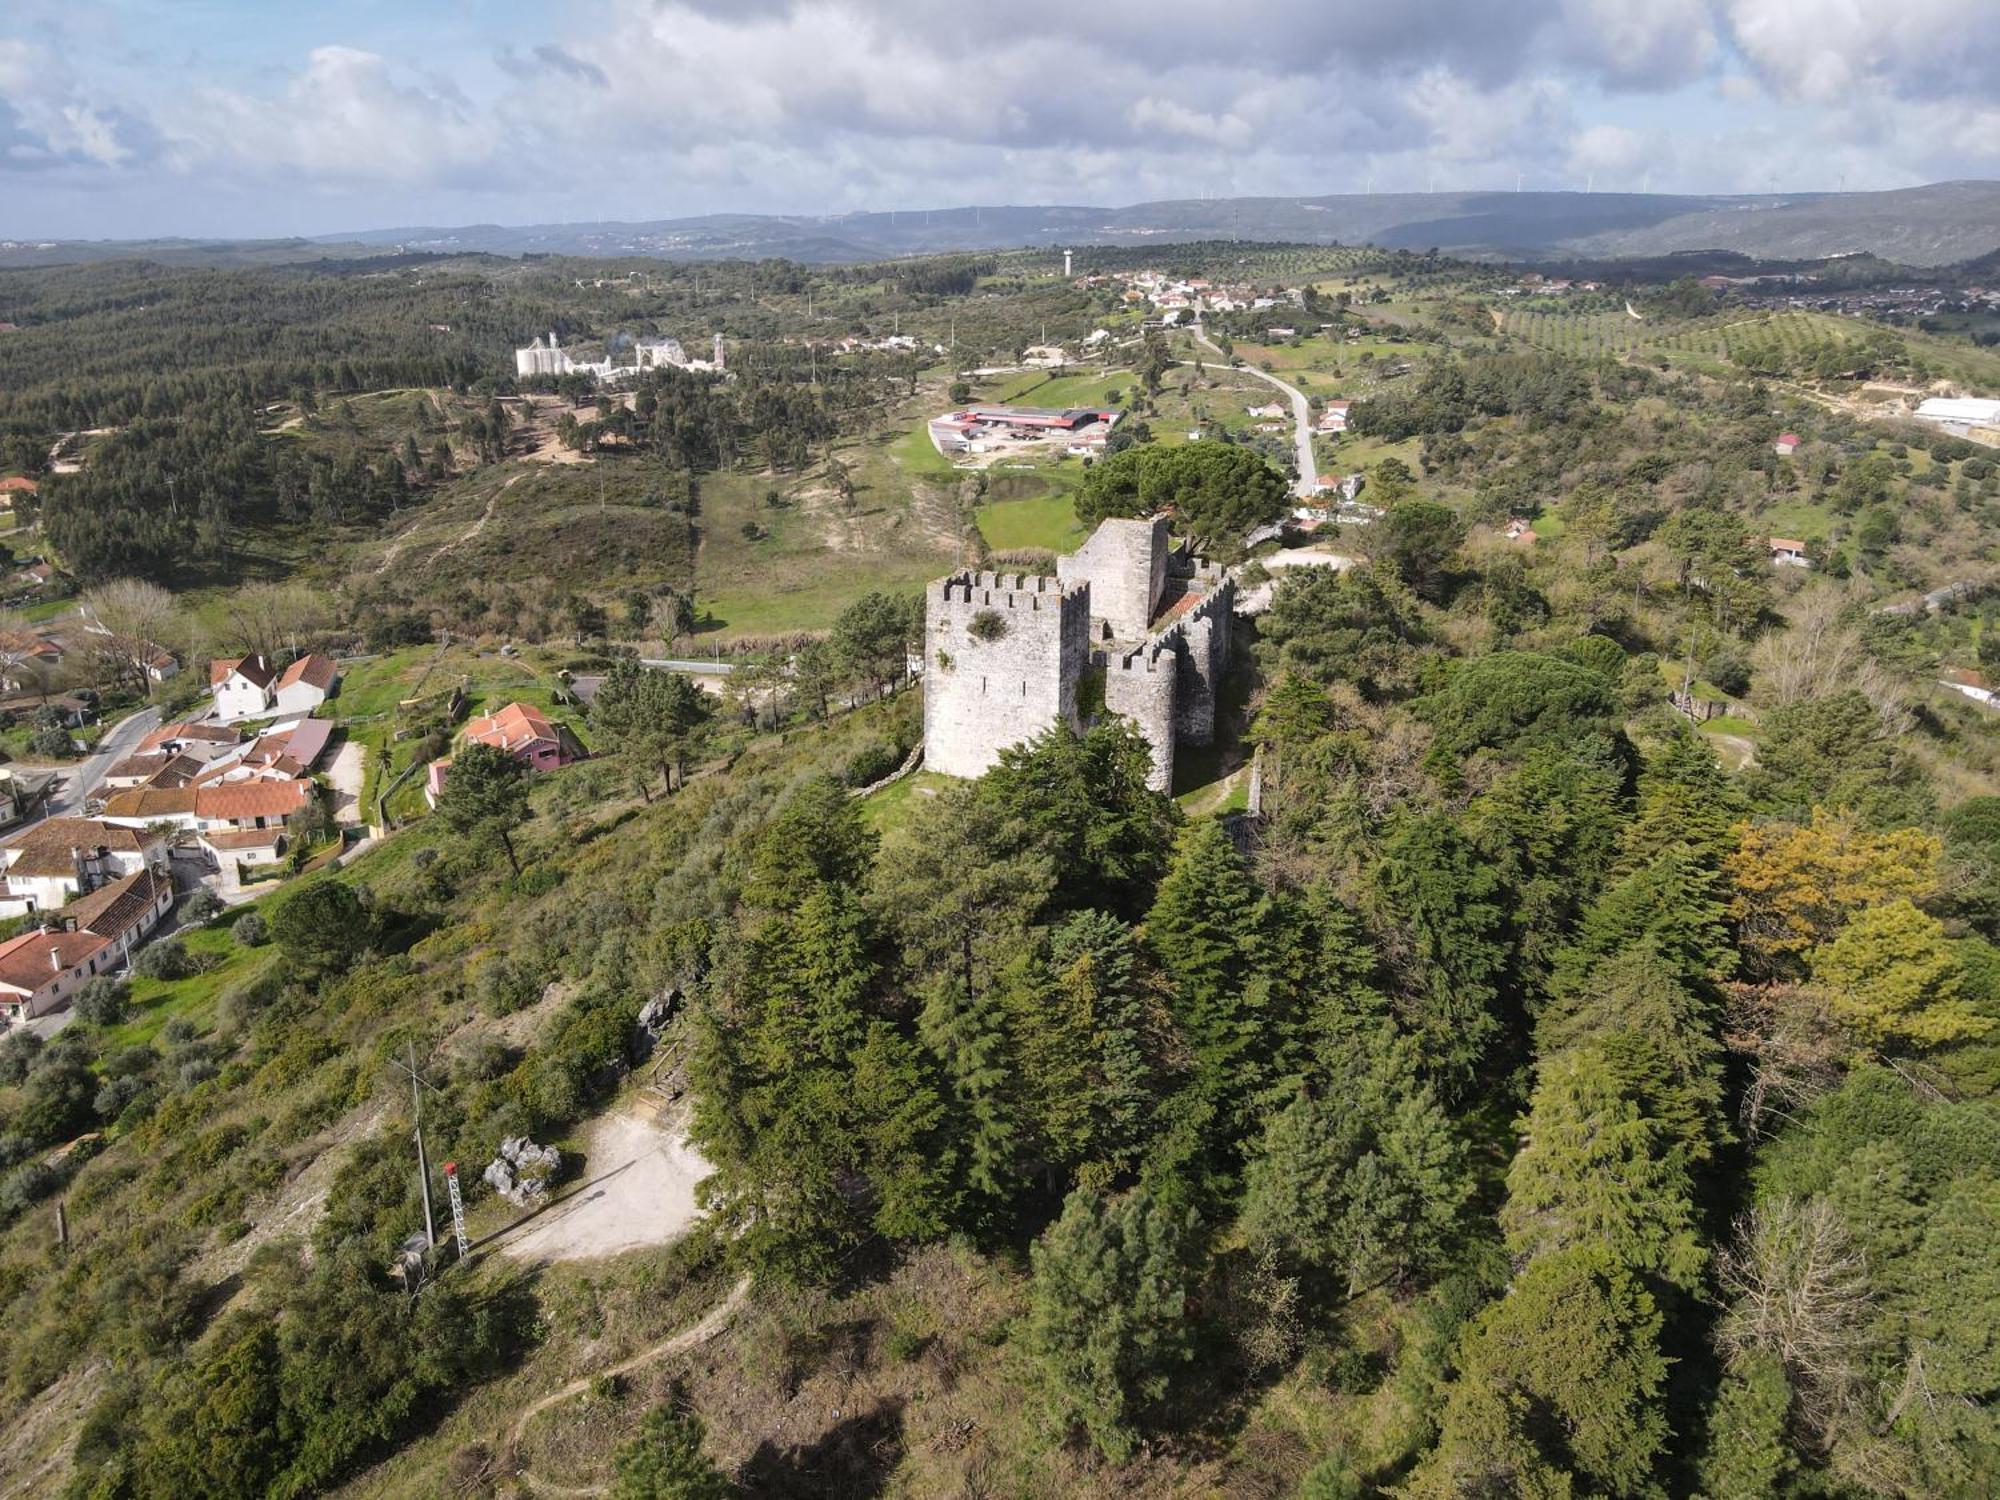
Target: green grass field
x=1048, y=521
x=158, y=1001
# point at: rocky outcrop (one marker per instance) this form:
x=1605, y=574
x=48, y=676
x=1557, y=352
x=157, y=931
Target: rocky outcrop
x=523, y=1173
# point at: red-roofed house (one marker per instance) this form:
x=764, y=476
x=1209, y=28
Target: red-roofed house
x=41, y=971
x=242, y=687
x=1789, y=552
x=305, y=684
x=17, y=484
x=205, y=809
x=525, y=733
x=1786, y=445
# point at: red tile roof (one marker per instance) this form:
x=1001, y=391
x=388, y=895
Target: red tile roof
x=30, y=962
x=45, y=848
x=252, y=668
x=510, y=728
x=18, y=484
x=113, y=910
x=251, y=799
x=312, y=668
x=150, y=802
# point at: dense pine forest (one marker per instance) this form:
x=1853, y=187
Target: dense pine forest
x=1579, y=1075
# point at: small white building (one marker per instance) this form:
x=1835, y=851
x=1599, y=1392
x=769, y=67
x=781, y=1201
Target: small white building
x=305, y=684
x=1788, y=552
x=242, y=686
x=59, y=859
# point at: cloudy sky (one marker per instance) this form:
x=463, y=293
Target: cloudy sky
x=123, y=118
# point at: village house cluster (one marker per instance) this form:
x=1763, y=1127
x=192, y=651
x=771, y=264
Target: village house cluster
x=200, y=801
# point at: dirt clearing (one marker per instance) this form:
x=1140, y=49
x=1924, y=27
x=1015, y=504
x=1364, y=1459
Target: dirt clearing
x=637, y=1189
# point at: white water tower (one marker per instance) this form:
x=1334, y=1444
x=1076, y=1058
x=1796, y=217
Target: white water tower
x=1066, y=270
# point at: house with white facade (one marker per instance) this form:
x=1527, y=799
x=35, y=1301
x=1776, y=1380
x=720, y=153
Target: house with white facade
x=242, y=686
x=59, y=859
x=41, y=970
x=305, y=684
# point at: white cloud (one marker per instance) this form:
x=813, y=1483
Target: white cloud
x=671, y=106
x=1822, y=50
x=346, y=118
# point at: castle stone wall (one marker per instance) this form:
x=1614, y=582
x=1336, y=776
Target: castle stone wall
x=1142, y=684
x=1202, y=652
x=983, y=695
x=1125, y=564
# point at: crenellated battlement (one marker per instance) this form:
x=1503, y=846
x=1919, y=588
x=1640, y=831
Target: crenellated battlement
x=1009, y=591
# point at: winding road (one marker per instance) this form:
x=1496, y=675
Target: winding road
x=1301, y=414
x=80, y=782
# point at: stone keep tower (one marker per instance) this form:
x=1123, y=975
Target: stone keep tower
x=1003, y=653
x=1125, y=564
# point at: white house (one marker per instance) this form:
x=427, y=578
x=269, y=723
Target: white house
x=1788, y=552
x=256, y=803
x=59, y=859
x=1334, y=417
x=242, y=687
x=305, y=684
x=41, y=971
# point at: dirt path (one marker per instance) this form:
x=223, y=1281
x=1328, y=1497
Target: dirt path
x=396, y=547
x=712, y=1323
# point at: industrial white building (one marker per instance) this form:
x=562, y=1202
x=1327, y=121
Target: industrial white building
x=548, y=357
x=1959, y=415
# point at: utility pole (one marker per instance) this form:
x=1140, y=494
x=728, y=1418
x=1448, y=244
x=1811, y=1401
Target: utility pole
x=417, y=1085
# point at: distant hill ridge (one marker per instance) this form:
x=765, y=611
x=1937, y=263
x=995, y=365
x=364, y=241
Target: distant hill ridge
x=1940, y=224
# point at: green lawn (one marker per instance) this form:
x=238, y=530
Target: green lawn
x=892, y=806
x=1014, y=525
x=158, y=1001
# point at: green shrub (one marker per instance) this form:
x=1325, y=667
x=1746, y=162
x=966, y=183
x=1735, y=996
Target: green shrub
x=167, y=959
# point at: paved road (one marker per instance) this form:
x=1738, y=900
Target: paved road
x=1301, y=415
x=81, y=783
x=686, y=664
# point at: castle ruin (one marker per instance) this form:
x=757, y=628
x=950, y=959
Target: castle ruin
x=1129, y=625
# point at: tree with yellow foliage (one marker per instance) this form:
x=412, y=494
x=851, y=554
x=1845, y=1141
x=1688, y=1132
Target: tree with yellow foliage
x=1795, y=887
x=1891, y=977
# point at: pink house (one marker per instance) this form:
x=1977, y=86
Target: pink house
x=525, y=733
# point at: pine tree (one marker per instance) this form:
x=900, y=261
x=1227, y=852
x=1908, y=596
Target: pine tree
x=1557, y=1389
x=1747, y=1454
x=967, y=1032
x=1362, y=1174
x=665, y=1462
x=1433, y=885
x=1204, y=930
x=1592, y=1170
x=1107, y=1316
